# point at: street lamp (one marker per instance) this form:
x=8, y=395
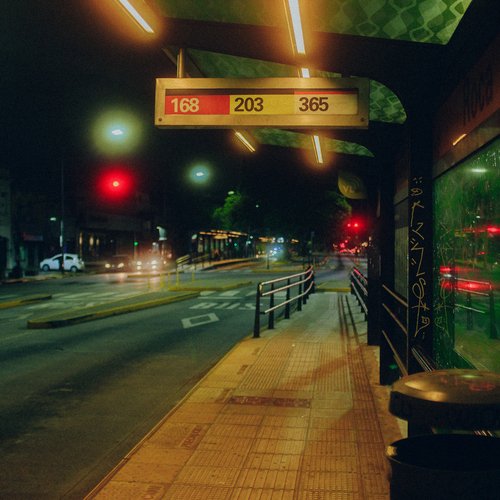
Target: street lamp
x=117, y=132
x=199, y=174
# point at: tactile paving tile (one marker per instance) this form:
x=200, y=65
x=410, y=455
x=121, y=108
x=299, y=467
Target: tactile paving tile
x=334, y=448
x=214, y=476
x=267, y=479
x=173, y=435
x=217, y=459
x=262, y=494
x=118, y=490
x=223, y=443
x=195, y=492
x=285, y=421
x=328, y=495
x=325, y=481
x=375, y=484
x=330, y=463
x=209, y=395
x=276, y=461
x=240, y=419
x=228, y=430
x=278, y=446
x=332, y=435
x=290, y=433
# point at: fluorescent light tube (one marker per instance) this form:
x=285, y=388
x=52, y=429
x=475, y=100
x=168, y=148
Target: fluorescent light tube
x=296, y=26
x=317, y=149
x=136, y=16
x=245, y=141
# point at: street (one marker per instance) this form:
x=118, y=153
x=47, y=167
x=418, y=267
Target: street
x=75, y=400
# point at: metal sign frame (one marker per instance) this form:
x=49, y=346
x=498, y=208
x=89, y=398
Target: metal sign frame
x=260, y=102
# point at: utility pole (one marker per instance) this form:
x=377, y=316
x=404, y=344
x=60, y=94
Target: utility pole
x=61, y=228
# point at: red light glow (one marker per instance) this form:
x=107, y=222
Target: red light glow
x=115, y=184
x=473, y=286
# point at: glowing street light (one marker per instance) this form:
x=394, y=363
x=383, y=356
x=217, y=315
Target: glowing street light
x=199, y=174
x=117, y=132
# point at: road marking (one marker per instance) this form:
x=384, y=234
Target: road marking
x=204, y=305
x=230, y=293
x=204, y=319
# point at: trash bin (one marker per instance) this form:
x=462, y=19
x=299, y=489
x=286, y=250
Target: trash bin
x=454, y=466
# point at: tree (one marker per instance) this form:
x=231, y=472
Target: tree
x=294, y=215
x=235, y=214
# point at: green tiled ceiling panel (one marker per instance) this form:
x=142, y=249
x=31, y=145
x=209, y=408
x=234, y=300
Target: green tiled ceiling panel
x=384, y=104
x=285, y=138
x=215, y=65
x=429, y=21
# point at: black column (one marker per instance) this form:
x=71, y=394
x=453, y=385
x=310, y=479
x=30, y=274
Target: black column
x=420, y=258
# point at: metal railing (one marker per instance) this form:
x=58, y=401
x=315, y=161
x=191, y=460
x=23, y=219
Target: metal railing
x=359, y=288
x=302, y=282
x=479, y=289
x=190, y=260
x=394, y=339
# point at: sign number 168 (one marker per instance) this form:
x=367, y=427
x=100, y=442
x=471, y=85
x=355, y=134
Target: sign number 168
x=186, y=104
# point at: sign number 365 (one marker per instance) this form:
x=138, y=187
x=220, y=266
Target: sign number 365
x=313, y=104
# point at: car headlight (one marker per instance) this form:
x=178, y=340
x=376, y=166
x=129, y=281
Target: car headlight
x=107, y=265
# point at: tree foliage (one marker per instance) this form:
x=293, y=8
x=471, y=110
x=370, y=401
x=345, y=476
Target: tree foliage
x=289, y=216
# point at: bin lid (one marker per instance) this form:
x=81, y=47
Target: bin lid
x=452, y=399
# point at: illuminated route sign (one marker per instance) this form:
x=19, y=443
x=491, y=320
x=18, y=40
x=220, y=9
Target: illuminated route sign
x=262, y=102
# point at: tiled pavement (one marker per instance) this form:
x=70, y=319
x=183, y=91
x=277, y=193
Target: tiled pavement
x=295, y=414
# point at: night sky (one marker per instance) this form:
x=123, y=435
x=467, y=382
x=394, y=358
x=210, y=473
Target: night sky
x=62, y=65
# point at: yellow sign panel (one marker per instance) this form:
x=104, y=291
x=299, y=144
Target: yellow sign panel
x=269, y=102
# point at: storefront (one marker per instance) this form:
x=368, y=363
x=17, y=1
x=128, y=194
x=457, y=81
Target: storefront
x=466, y=214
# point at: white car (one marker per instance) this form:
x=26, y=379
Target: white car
x=72, y=262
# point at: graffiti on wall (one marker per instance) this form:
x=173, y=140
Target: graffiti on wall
x=418, y=280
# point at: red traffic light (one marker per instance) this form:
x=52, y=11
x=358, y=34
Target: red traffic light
x=115, y=184
x=354, y=224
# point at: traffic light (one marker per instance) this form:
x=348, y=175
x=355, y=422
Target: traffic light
x=354, y=225
x=115, y=184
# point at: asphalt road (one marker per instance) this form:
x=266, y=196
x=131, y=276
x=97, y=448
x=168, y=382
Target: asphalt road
x=75, y=400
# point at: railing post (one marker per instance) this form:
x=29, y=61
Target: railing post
x=271, y=313
x=287, y=306
x=299, y=302
x=468, y=303
x=306, y=286
x=493, y=324
x=256, y=324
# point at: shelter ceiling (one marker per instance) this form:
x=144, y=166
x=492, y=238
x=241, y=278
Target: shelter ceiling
x=404, y=47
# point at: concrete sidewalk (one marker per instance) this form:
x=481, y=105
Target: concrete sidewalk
x=295, y=414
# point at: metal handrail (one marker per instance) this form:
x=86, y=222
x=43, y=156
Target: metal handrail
x=493, y=333
x=304, y=282
x=359, y=287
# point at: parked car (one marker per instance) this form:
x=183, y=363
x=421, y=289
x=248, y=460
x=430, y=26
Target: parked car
x=151, y=264
x=118, y=263
x=72, y=262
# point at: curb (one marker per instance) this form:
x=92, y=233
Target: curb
x=326, y=288
x=113, y=311
x=24, y=300
x=202, y=288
